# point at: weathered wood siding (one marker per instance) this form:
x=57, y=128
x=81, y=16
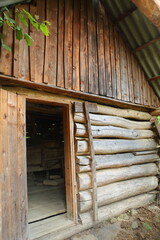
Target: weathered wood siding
x=13, y=186
x=84, y=52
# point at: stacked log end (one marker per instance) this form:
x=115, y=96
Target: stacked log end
x=126, y=160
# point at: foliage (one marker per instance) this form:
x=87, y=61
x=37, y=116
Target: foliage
x=146, y=225
x=7, y=20
x=158, y=118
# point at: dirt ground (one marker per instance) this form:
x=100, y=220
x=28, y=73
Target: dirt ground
x=140, y=224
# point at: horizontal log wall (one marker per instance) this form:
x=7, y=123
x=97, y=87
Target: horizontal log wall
x=84, y=52
x=125, y=154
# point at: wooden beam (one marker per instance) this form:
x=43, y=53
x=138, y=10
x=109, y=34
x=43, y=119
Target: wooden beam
x=153, y=78
x=11, y=81
x=146, y=44
x=93, y=163
x=151, y=9
x=156, y=112
x=124, y=15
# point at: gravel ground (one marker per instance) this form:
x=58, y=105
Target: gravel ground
x=140, y=224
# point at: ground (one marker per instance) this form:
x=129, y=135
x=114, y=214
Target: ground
x=140, y=224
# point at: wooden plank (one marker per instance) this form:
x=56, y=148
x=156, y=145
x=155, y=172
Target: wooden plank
x=107, y=57
x=113, y=60
x=124, y=73
x=130, y=77
x=50, y=67
x=101, y=50
x=76, y=46
x=135, y=77
x=6, y=58
x=118, y=68
x=60, y=60
x=84, y=71
x=140, y=85
x=78, y=107
x=21, y=167
x=1, y=167
x=92, y=48
x=38, y=46
x=93, y=163
x=69, y=154
x=12, y=166
x=21, y=52
x=68, y=44
x=4, y=161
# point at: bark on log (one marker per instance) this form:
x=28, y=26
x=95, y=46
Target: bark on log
x=114, y=161
x=117, y=191
x=104, y=120
x=107, y=176
x=113, y=132
x=126, y=113
x=115, y=209
x=107, y=146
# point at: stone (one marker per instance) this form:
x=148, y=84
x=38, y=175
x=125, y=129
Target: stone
x=133, y=212
x=134, y=225
x=123, y=216
x=113, y=220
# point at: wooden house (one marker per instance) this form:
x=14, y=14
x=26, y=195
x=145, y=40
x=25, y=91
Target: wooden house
x=77, y=139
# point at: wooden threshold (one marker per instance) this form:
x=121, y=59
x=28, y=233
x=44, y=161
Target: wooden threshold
x=47, y=226
x=11, y=81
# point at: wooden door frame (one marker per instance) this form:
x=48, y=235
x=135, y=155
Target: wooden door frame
x=69, y=153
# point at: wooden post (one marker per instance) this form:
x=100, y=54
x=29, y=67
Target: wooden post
x=93, y=163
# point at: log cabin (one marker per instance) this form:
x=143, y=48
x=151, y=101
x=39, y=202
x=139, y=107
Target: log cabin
x=78, y=139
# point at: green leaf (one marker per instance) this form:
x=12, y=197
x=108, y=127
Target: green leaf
x=32, y=20
x=6, y=9
x=146, y=225
x=19, y=34
x=44, y=29
x=158, y=118
x=49, y=23
x=28, y=39
x=9, y=21
x=22, y=19
x=5, y=46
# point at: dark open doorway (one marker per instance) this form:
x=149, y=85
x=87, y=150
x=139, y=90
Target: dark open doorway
x=45, y=161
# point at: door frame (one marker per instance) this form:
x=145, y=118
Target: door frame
x=69, y=153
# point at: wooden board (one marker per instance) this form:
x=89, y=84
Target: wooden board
x=84, y=52
x=14, y=201
x=46, y=203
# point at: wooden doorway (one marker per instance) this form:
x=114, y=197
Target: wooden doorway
x=49, y=160
x=14, y=202
x=45, y=161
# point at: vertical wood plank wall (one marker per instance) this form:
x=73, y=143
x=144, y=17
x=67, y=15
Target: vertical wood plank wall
x=13, y=205
x=84, y=52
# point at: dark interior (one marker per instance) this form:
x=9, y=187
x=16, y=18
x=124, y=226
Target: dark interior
x=45, y=161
